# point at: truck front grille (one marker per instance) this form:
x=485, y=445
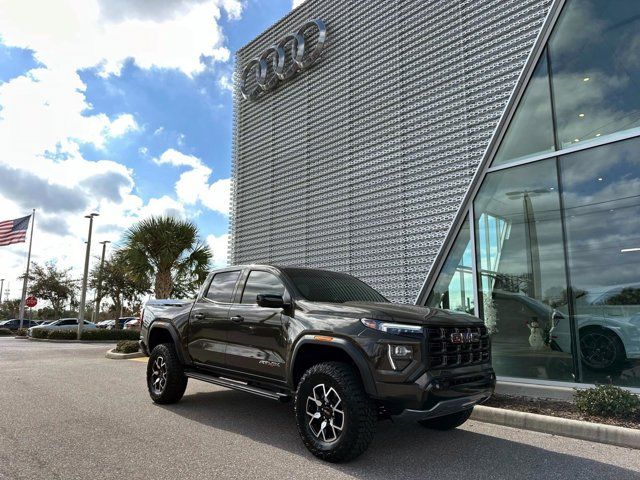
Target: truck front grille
x=443, y=352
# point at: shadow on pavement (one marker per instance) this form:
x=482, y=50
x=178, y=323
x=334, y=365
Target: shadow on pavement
x=401, y=449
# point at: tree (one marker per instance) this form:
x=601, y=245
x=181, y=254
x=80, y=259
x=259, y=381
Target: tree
x=10, y=309
x=117, y=283
x=47, y=282
x=168, y=251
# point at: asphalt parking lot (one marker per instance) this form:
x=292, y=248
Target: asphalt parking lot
x=70, y=413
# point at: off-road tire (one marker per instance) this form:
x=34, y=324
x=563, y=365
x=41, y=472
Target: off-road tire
x=359, y=417
x=447, y=422
x=175, y=379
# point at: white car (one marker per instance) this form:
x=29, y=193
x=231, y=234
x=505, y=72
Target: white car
x=133, y=324
x=605, y=342
x=62, y=324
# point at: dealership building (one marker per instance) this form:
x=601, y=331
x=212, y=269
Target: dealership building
x=476, y=155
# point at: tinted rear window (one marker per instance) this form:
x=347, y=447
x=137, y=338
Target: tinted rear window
x=222, y=285
x=324, y=286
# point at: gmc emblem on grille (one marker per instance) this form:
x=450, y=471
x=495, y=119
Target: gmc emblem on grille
x=465, y=337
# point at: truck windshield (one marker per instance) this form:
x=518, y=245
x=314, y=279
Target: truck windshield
x=332, y=287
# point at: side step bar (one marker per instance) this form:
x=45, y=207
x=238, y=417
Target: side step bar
x=243, y=387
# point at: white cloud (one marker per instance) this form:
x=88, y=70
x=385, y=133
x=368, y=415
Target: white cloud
x=45, y=117
x=76, y=33
x=297, y=3
x=193, y=185
x=219, y=247
x=226, y=83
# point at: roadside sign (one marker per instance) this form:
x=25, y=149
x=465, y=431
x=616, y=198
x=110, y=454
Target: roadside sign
x=31, y=302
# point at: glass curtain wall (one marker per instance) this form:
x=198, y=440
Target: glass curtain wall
x=601, y=193
x=556, y=234
x=454, y=288
x=521, y=268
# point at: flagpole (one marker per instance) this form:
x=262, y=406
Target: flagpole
x=26, y=275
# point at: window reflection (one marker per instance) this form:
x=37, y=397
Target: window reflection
x=522, y=269
x=531, y=129
x=595, y=68
x=602, y=201
x=454, y=288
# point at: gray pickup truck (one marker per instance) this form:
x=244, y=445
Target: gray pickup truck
x=344, y=353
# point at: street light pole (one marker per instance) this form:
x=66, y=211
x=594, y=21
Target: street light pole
x=1, y=289
x=83, y=295
x=96, y=309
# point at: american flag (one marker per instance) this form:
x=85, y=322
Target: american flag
x=14, y=231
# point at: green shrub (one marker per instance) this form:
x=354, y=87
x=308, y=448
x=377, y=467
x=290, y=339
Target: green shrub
x=40, y=333
x=62, y=335
x=99, y=334
x=127, y=346
x=21, y=332
x=607, y=401
x=5, y=332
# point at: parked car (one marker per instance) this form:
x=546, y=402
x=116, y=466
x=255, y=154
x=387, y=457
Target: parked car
x=14, y=323
x=63, y=324
x=606, y=343
x=110, y=324
x=104, y=324
x=327, y=341
x=133, y=323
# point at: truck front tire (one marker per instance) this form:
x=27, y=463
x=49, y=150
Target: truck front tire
x=447, y=422
x=335, y=417
x=166, y=380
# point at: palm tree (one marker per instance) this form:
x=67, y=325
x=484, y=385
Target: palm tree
x=168, y=251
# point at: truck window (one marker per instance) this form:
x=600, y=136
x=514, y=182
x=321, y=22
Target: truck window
x=261, y=283
x=222, y=285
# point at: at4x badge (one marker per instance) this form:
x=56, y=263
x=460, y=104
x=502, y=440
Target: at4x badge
x=269, y=364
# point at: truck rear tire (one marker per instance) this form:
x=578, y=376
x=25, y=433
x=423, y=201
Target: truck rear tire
x=447, y=422
x=335, y=417
x=166, y=380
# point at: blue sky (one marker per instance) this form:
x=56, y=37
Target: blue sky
x=124, y=107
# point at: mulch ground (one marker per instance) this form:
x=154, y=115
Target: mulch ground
x=556, y=408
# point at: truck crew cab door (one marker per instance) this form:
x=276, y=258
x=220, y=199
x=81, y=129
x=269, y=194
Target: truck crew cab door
x=209, y=319
x=257, y=343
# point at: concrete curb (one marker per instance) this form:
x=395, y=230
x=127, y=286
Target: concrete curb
x=593, y=432
x=122, y=356
x=106, y=342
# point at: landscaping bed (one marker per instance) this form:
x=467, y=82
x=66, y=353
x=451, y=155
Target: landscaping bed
x=556, y=408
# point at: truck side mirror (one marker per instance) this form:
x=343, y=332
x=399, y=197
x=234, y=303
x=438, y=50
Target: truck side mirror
x=270, y=301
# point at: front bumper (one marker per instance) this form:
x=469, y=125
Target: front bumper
x=445, y=407
x=438, y=392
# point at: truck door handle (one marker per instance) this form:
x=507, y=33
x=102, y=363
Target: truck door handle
x=199, y=316
x=237, y=319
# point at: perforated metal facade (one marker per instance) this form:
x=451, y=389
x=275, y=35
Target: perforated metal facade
x=360, y=163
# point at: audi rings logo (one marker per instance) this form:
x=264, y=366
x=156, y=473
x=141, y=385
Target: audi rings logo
x=272, y=67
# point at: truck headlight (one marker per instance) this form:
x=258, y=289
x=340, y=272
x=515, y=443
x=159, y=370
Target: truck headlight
x=393, y=328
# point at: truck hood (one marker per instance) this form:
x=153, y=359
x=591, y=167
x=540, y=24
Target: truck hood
x=395, y=312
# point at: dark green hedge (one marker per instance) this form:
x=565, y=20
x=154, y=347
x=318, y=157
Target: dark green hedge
x=100, y=334
x=96, y=334
x=39, y=333
x=4, y=332
x=21, y=332
x=127, y=346
x=62, y=335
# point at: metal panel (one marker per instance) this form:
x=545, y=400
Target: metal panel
x=360, y=163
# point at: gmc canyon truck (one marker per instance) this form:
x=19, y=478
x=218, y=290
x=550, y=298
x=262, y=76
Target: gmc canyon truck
x=335, y=346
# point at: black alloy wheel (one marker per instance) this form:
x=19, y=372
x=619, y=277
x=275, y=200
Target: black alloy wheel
x=601, y=349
